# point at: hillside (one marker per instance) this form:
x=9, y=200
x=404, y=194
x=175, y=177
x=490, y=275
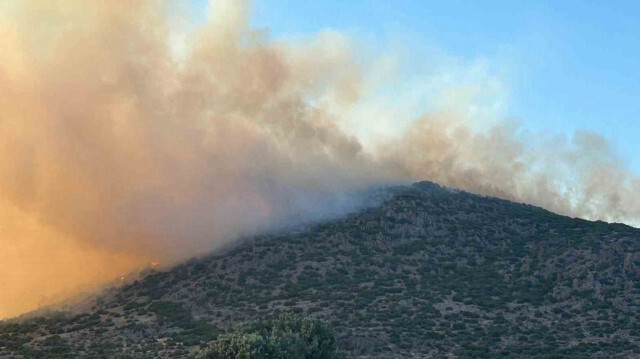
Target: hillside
x=428, y=272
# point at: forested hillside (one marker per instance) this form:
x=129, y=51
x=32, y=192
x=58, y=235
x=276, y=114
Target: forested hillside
x=429, y=271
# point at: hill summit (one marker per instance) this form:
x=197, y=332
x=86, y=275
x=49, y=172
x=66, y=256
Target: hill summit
x=426, y=272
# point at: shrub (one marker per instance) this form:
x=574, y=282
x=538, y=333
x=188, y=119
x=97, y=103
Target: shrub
x=287, y=337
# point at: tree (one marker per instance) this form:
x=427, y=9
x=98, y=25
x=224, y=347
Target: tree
x=287, y=337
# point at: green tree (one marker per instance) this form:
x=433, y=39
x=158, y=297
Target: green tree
x=287, y=337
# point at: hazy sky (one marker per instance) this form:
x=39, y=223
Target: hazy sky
x=562, y=65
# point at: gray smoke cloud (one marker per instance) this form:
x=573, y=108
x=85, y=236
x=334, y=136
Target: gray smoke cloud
x=580, y=177
x=119, y=146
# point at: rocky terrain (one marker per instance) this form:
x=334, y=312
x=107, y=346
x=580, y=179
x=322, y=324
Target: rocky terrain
x=429, y=272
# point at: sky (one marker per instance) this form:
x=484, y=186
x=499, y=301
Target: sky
x=563, y=66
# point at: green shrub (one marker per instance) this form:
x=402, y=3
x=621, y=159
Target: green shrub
x=287, y=337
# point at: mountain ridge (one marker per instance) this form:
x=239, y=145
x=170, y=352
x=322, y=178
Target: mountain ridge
x=430, y=271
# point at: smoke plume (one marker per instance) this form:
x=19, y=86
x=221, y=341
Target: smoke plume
x=126, y=137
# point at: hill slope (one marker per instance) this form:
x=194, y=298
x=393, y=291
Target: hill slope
x=429, y=272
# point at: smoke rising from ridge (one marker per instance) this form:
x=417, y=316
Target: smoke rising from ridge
x=117, y=149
